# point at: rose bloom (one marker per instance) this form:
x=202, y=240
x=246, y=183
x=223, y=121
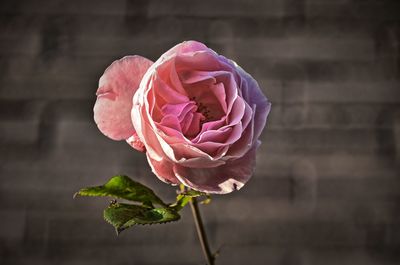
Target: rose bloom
x=196, y=114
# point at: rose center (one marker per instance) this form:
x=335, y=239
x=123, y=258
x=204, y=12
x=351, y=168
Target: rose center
x=205, y=103
x=203, y=110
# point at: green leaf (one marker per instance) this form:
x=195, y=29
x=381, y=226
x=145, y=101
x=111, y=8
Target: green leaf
x=122, y=215
x=184, y=198
x=181, y=201
x=125, y=188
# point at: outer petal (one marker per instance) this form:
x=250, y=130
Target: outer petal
x=118, y=84
x=253, y=95
x=135, y=142
x=220, y=180
x=163, y=169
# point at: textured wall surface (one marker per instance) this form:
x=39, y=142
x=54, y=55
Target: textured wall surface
x=327, y=185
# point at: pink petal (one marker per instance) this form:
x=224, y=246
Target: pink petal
x=193, y=127
x=218, y=136
x=216, y=150
x=178, y=110
x=172, y=122
x=197, y=60
x=163, y=92
x=174, y=79
x=163, y=169
x=237, y=111
x=191, y=77
x=192, y=45
x=220, y=180
x=135, y=142
x=167, y=72
x=143, y=128
x=185, y=47
x=253, y=95
x=212, y=125
x=245, y=142
x=118, y=84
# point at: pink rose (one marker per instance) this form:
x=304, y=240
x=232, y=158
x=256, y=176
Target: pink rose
x=197, y=115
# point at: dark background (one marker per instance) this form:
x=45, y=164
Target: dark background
x=326, y=189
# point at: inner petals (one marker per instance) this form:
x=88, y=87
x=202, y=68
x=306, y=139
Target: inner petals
x=172, y=122
x=205, y=95
x=179, y=110
x=194, y=126
x=165, y=94
x=200, y=107
x=183, y=117
x=219, y=135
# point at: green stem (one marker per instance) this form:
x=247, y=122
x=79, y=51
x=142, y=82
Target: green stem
x=201, y=232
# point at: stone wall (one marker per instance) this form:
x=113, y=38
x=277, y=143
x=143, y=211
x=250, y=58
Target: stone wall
x=327, y=186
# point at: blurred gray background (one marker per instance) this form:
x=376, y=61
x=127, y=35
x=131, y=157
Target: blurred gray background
x=327, y=186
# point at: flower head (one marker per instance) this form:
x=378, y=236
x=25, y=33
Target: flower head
x=196, y=114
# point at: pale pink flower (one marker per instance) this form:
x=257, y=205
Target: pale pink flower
x=197, y=115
